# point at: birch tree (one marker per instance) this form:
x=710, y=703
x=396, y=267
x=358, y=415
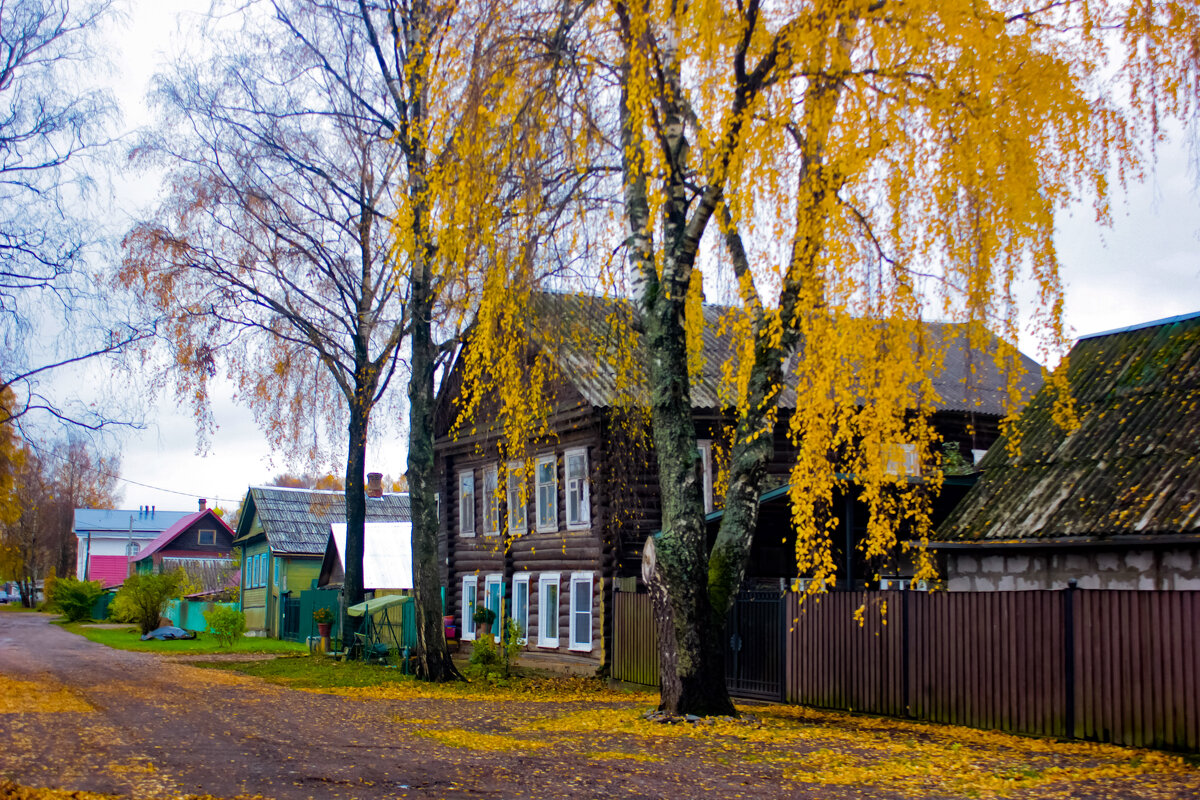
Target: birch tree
x=269, y=258
x=837, y=173
x=860, y=165
x=54, y=130
x=345, y=175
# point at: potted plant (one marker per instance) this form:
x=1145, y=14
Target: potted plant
x=324, y=619
x=484, y=617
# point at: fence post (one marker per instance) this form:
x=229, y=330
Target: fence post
x=904, y=651
x=1069, y=655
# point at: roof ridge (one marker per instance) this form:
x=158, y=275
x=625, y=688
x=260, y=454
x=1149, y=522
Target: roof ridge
x=1144, y=325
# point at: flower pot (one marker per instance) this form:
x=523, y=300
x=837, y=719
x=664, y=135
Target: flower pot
x=324, y=629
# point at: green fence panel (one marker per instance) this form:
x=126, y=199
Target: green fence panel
x=100, y=607
x=310, y=601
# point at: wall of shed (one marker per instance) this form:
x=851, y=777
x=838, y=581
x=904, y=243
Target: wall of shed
x=1142, y=569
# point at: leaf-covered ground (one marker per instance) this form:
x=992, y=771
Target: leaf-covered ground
x=79, y=717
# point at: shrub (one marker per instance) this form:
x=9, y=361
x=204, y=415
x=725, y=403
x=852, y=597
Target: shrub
x=226, y=623
x=74, y=598
x=489, y=658
x=143, y=597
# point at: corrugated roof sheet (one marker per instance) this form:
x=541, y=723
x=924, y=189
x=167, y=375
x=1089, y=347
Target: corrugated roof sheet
x=969, y=380
x=297, y=520
x=109, y=570
x=105, y=520
x=1132, y=469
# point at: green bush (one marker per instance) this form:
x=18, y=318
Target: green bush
x=74, y=598
x=143, y=597
x=226, y=623
x=491, y=659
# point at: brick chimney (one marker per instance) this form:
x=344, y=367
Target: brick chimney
x=203, y=504
x=374, y=484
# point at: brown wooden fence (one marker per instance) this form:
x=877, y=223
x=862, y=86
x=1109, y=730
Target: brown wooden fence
x=1112, y=666
x=635, y=640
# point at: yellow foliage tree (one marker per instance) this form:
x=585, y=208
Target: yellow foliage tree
x=838, y=171
x=862, y=163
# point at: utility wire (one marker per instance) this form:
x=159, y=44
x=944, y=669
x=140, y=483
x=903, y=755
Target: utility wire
x=106, y=474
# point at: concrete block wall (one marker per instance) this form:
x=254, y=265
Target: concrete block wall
x=1140, y=569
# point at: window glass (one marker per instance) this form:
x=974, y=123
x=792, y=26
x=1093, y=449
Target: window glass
x=492, y=599
x=578, y=506
x=468, y=607
x=516, y=503
x=581, y=611
x=548, y=611
x=547, y=494
x=207, y=536
x=491, y=503
x=466, y=503
x=520, y=603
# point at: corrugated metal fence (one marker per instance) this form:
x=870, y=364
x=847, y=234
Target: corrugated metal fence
x=1112, y=666
x=635, y=641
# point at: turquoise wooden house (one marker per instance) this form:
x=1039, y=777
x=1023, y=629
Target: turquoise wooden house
x=282, y=536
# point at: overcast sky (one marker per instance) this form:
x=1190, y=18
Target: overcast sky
x=1145, y=267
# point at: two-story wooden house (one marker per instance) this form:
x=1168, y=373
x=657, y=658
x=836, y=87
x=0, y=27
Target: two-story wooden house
x=549, y=537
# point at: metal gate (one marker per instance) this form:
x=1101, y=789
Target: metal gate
x=754, y=660
x=290, y=629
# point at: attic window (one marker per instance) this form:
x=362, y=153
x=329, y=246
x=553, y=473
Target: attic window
x=206, y=536
x=902, y=460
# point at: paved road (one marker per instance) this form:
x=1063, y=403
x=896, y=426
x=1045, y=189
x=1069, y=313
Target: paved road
x=138, y=724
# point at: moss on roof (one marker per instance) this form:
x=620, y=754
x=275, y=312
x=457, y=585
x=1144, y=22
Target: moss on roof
x=1131, y=469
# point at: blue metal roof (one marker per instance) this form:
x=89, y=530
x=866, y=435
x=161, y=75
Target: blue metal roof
x=145, y=525
x=1139, y=326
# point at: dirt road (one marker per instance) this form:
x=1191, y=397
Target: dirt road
x=79, y=716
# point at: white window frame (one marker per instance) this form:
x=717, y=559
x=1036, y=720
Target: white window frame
x=497, y=580
x=491, y=502
x=470, y=596
x=514, y=484
x=466, y=503
x=212, y=536
x=547, y=493
x=521, y=615
x=275, y=563
x=578, y=488
x=705, y=448
x=578, y=579
x=902, y=460
x=545, y=580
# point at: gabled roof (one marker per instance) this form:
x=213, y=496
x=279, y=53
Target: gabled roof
x=297, y=521
x=116, y=521
x=1130, y=472
x=968, y=381
x=387, y=555
x=175, y=531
